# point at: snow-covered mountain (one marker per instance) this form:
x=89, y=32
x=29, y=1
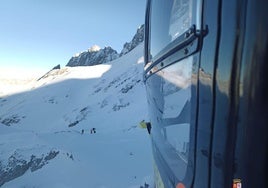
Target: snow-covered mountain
x=45, y=129
x=95, y=55
x=136, y=40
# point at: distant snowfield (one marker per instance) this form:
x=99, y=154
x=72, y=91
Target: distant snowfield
x=14, y=80
x=41, y=124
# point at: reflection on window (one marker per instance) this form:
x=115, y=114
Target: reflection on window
x=169, y=19
x=171, y=103
x=178, y=137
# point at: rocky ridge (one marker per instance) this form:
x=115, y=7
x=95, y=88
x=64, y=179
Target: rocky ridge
x=95, y=55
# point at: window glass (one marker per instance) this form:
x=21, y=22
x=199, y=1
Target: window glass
x=170, y=104
x=180, y=18
x=169, y=19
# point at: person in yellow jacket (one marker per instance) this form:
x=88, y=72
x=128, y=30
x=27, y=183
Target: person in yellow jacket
x=147, y=125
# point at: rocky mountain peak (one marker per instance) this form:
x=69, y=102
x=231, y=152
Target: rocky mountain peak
x=136, y=40
x=95, y=55
x=94, y=48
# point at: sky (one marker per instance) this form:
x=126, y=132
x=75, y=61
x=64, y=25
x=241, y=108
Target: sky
x=40, y=34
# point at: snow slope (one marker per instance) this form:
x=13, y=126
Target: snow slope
x=41, y=140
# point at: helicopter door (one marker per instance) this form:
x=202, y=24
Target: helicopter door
x=172, y=48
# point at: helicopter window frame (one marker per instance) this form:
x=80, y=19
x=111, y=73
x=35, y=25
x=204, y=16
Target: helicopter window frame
x=187, y=43
x=183, y=46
